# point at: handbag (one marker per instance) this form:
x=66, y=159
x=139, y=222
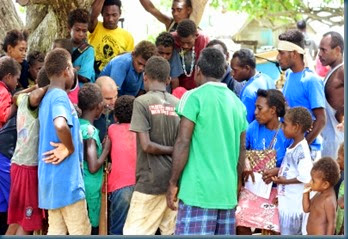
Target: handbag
x=260, y=160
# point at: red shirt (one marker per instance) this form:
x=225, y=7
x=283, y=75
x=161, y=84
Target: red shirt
x=5, y=103
x=123, y=157
x=73, y=94
x=200, y=43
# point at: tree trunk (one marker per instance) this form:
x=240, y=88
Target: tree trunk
x=198, y=10
x=47, y=20
x=9, y=18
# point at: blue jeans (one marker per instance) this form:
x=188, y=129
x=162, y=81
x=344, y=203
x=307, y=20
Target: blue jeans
x=119, y=205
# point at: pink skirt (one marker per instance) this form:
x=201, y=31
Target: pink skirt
x=257, y=212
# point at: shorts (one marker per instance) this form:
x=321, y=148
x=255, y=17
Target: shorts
x=72, y=218
x=147, y=213
x=23, y=203
x=193, y=220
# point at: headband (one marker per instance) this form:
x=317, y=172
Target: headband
x=289, y=46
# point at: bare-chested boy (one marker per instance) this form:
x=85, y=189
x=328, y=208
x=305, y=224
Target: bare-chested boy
x=322, y=207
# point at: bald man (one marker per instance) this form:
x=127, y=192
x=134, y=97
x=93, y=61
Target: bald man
x=109, y=91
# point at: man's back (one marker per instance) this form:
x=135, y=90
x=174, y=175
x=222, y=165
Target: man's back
x=220, y=118
x=154, y=113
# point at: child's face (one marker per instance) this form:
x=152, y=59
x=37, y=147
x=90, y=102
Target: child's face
x=139, y=64
x=289, y=128
x=317, y=182
x=165, y=52
x=11, y=81
x=35, y=68
x=78, y=32
x=340, y=158
x=18, y=52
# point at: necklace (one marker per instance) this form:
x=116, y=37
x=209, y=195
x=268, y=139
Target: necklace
x=182, y=54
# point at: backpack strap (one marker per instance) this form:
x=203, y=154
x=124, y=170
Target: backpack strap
x=78, y=51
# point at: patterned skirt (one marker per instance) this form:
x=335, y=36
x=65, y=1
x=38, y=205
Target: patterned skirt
x=257, y=212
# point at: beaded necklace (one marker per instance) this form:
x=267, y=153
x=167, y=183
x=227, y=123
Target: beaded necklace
x=182, y=54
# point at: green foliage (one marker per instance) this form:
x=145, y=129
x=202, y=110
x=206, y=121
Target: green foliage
x=288, y=10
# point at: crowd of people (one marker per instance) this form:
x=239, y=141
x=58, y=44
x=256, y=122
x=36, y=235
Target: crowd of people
x=171, y=137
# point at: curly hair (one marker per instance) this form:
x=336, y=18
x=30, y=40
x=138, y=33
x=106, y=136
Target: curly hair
x=300, y=115
x=89, y=96
x=112, y=2
x=13, y=37
x=157, y=68
x=294, y=36
x=145, y=49
x=124, y=108
x=165, y=39
x=186, y=28
x=328, y=169
x=42, y=78
x=35, y=56
x=246, y=58
x=274, y=98
x=78, y=15
x=57, y=61
x=9, y=66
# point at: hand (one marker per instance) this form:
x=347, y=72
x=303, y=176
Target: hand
x=171, y=196
x=57, y=155
x=246, y=174
x=108, y=168
x=268, y=174
x=307, y=188
x=340, y=202
x=278, y=180
x=106, y=144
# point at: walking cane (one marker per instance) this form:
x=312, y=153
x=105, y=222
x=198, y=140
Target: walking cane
x=103, y=221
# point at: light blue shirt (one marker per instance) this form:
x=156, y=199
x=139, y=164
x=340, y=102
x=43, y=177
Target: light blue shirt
x=86, y=63
x=305, y=89
x=248, y=95
x=62, y=184
x=121, y=70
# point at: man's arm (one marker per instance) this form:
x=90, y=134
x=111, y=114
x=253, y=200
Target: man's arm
x=180, y=157
x=97, y=6
x=330, y=211
x=151, y=147
x=318, y=124
x=90, y=148
x=241, y=160
x=149, y=7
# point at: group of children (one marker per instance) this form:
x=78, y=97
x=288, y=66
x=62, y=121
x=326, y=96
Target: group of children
x=58, y=160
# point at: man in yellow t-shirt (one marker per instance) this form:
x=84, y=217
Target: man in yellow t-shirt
x=106, y=37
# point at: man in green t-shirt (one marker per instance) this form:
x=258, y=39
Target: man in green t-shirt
x=209, y=152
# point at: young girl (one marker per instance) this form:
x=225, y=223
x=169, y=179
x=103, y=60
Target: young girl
x=294, y=171
x=91, y=105
x=340, y=201
x=15, y=46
